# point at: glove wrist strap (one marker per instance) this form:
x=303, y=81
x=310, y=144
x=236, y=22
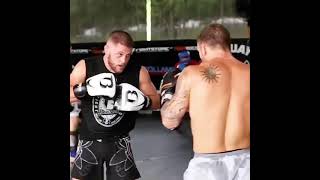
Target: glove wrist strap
x=148, y=103
x=166, y=97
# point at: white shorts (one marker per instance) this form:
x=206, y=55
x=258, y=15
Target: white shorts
x=76, y=110
x=233, y=165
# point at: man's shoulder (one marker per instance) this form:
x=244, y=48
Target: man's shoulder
x=92, y=58
x=191, y=68
x=200, y=69
x=244, y=67
x=134, y=66
x=190, y=71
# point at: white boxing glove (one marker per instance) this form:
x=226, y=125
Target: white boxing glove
x=130, y=98
x=103, y=84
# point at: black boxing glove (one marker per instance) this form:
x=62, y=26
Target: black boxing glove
x=80, y=90
x=168, y=85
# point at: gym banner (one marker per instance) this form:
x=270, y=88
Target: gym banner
x=159, y=56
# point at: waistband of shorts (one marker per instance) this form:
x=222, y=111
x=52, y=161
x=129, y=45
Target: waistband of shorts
x=108, y=138
x=227, y=153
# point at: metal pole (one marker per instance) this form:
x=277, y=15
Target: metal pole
x=148, y=11
x=221, y=9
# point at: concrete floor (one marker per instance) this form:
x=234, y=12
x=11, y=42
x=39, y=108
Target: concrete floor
x=159, y=153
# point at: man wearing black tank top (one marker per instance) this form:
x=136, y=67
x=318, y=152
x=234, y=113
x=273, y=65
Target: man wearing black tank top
x=112, y=90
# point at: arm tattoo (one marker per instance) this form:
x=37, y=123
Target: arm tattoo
x=175, y=108
x=211, y=74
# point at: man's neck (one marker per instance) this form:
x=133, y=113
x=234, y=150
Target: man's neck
x=217, y=54
x=106, y=64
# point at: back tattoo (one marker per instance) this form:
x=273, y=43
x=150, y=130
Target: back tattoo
x=210, y=74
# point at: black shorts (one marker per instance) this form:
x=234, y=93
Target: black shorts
x=116, y=153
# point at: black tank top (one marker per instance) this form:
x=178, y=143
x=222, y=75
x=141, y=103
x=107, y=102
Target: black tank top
x=98, y=122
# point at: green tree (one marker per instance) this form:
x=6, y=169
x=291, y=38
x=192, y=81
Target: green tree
x=168, y=17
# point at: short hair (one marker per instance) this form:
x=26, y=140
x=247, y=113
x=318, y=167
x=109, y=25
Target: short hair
x=215, y=35
x=122, y=37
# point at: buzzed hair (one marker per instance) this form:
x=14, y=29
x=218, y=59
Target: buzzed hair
x=122, y=37
x=215, y=35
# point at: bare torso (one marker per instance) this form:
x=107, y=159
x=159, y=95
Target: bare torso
x=219, y=106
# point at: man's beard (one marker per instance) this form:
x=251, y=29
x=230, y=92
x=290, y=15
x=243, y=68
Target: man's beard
x=112, y=65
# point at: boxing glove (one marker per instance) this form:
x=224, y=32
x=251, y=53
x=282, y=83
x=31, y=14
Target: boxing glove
x=130, y=98
x=80, y=90
x=103, y=84
x=168, y=85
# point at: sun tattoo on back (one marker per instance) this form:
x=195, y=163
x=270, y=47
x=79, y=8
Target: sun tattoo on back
x=210, y=74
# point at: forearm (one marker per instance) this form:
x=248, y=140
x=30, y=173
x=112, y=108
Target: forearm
x=175, y=102
x=172, y=113
x=155, y=99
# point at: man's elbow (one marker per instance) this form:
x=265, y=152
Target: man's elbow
x=156, y=104
x=169, y=124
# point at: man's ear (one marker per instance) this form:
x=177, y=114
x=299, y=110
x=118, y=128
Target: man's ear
x=199, y=51
x=106, y=49
x=202, y=50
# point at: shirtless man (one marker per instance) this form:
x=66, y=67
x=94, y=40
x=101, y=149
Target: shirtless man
x=217, y=95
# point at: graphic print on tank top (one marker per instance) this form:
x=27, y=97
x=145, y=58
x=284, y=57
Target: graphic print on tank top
x=103, y=112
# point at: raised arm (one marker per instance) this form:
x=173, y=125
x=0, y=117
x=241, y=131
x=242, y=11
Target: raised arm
x=174, y=109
